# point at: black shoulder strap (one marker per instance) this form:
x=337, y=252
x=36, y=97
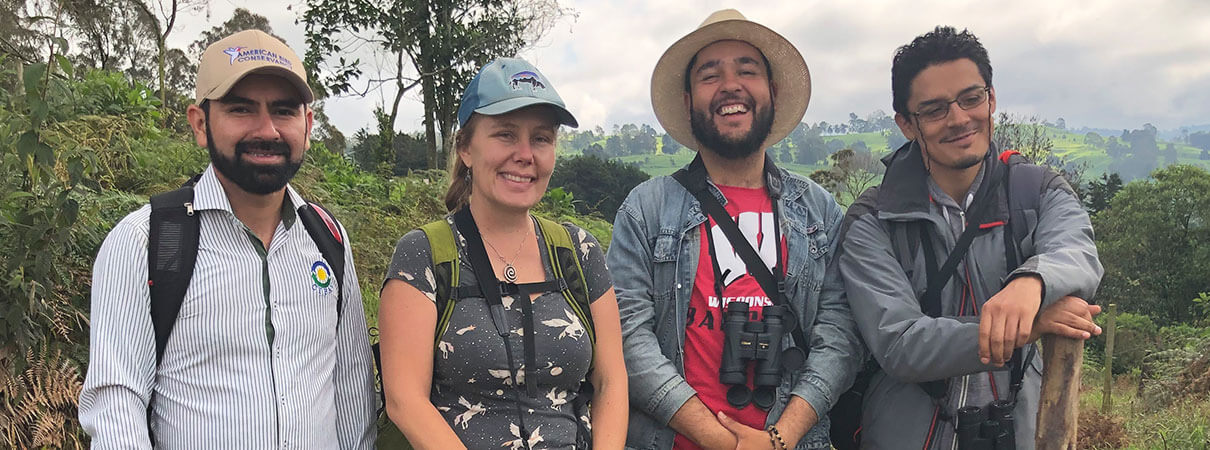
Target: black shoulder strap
x=982, y=202
x=1026, y=185
x=937, y=278
x=490, y=286
x=172, y=240
x=173, y=232
x=773, y=288
x=321, y=225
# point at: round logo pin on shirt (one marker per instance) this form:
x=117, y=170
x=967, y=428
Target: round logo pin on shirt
x=321, y=274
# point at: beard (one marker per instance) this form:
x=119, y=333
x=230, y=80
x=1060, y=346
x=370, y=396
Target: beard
x=257, y=179
x=707, y=132
x=964, y=161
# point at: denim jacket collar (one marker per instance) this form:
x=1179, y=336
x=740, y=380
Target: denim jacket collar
x=773, y=176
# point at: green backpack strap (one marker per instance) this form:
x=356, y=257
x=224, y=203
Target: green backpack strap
x=445, y=271
x=565, y=262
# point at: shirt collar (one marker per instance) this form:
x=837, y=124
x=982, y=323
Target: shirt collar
x=208, y=193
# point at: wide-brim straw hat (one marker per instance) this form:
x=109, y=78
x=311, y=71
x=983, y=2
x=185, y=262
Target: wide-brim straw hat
x=790, y=75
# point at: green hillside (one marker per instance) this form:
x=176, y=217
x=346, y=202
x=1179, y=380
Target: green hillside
x=1068, y=145
x=1073, y=147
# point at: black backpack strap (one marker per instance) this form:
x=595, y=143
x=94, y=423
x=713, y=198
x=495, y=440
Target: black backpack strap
x=173, y=232
x=490, y=285
x=172, y=239
x=930, y=304
x=1026, y=185
x=983, y=202
x=321, y=225
x=773, y=286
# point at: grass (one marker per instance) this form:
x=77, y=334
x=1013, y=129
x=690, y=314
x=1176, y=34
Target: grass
x=1071, y=146
x=875, y=141
x=1154, y=420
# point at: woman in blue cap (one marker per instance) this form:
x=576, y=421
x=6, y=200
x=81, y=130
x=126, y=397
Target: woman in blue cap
x=498, y=326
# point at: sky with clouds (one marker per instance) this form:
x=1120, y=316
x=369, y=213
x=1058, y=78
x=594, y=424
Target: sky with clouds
x=1099, y=63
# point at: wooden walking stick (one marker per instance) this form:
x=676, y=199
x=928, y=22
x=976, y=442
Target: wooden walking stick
x=1059, y=411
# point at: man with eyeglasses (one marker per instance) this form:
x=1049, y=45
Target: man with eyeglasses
x=958, y=261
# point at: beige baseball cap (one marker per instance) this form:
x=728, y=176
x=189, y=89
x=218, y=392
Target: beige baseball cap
x=234, y=57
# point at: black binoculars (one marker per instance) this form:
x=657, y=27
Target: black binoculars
x=990, y=428
x=747, y=341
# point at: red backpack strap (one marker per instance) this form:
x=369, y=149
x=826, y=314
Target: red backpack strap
x=328, y=220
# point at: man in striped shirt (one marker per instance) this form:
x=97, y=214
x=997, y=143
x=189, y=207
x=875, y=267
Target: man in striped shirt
x=259, y=356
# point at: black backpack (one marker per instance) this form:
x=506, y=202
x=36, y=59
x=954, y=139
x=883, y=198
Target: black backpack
x=173, y=234
x=1026, y=183
x=172, y=242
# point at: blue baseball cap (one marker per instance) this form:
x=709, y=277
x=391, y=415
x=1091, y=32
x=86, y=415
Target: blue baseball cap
x=509, y=84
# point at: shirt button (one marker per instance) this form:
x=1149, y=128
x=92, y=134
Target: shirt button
x=678, y=285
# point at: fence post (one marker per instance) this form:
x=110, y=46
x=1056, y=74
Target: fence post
x=1110, y=327
x=1058, y=413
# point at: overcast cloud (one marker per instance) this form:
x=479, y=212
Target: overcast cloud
x=1098, y=63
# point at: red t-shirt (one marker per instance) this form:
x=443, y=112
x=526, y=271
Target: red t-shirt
x=752, y=211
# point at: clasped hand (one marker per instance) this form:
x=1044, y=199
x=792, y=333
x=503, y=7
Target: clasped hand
x=1010, y=319
x=746, y=437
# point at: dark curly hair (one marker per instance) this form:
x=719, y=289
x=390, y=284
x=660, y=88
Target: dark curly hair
x=943, y=44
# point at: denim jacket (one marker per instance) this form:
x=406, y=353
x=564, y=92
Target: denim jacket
x=653, y=259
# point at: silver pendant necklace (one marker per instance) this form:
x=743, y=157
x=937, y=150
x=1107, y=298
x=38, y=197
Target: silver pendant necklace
x=510, y=272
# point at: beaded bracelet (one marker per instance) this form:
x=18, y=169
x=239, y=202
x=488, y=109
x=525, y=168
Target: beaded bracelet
x=775, y=438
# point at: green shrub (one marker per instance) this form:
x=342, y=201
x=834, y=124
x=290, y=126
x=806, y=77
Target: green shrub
x=1136, y=335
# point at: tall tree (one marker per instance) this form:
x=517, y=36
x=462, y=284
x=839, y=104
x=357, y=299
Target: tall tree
x=1154, y=240
x=241, y=20
x=1029, y=136
x=23, y=29
x=109, y=33
x=670, y=145
x=162, y=15
x=809, y=147
x=332, y=138
x=1094, y=139
x=894, y=138
x=851, y=173
x=1200, y=139
x=436, y=45
x=1101, y=191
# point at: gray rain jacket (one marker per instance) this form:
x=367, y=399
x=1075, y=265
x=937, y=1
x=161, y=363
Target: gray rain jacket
x=884, y=285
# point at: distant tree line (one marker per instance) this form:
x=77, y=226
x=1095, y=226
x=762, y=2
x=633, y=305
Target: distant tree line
x=807, y=144
x=1136, y=153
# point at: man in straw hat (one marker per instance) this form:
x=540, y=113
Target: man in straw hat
x=722, y=352
x=957, y=262
x=258, y=339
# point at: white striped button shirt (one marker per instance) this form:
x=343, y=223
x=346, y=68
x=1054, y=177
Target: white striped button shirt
x=255, y=360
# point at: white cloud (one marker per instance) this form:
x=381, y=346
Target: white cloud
x=1102, y=63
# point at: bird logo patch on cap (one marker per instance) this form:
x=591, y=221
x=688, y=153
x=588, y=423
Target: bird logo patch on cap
x=526, y=77
x=233, y=52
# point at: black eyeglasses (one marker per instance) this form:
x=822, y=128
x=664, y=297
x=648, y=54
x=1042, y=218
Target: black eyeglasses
x=937, y=110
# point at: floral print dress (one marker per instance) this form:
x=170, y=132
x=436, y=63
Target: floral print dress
x=473, y=385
